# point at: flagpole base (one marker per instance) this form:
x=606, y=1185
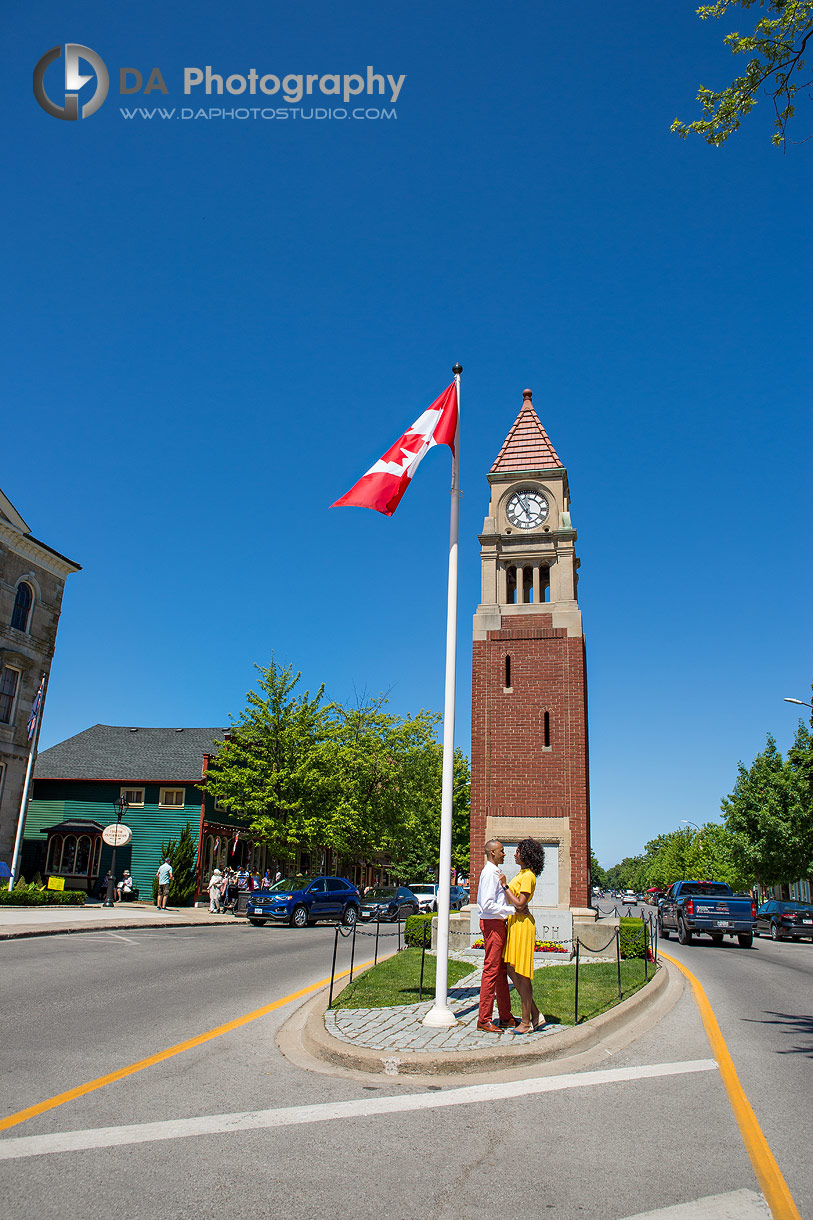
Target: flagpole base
x=439, y=1018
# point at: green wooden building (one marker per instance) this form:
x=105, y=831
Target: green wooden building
x=157, y=772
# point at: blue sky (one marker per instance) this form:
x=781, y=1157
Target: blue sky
x=214, y=326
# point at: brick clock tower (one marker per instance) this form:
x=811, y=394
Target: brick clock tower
x=529, y=689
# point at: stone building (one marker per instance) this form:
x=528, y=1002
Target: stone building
x=32, y=578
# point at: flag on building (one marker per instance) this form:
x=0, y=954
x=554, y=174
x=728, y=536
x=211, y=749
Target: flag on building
x=234, y=841
x=35, y=711
x=382, y=487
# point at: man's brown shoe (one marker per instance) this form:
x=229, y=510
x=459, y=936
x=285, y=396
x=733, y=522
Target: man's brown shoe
x=510, y=1023
x=488, y=1027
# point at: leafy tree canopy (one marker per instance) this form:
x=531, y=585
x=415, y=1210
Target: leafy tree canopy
x=776, y=67
x=357, y=780
x=769, y=813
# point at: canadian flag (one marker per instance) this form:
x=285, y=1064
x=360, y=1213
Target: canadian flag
x=382, y=487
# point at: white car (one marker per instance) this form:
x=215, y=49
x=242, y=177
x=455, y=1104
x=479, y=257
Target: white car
x=630, y=898
x=427, y=896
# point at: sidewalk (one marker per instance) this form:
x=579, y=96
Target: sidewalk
x=50, y=921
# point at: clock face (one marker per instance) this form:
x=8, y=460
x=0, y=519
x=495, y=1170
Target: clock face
x=527, y=509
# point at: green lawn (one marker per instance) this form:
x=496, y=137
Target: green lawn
x=598, y=988
x=395, y=981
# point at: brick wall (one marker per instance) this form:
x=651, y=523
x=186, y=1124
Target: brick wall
x=513, y=773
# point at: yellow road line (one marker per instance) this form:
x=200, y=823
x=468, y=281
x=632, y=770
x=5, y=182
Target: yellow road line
x=81, y=1090
x=769, y=1175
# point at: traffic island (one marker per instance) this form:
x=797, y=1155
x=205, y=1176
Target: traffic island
x=391, y=1040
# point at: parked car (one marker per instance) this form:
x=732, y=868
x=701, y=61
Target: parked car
x=426, y=894
x=389, y=902
x=303, y=900
x=629, y=899
x=785, y=920
x=707, y=907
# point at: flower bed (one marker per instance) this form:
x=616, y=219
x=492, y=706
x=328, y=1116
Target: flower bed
x=540, y=946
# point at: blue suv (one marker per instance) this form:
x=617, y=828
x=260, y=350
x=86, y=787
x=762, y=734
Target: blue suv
x=302, y=900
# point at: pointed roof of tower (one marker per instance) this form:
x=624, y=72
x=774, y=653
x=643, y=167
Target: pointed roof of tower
x=527, y=446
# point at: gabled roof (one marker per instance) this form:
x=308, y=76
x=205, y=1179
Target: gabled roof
x=10, y=513
x=110, y=752
x=527, y=446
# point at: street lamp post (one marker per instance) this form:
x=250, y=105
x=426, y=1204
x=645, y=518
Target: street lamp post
x=120, y=805
x=801, y=702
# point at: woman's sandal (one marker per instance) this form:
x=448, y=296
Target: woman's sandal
x=519, y=1030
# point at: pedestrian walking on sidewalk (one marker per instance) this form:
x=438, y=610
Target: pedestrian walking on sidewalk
x=214, y=892
x=494, y=913
x=164, y=876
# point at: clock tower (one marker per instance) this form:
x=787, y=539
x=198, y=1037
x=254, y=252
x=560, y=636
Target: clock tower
x=529, y=684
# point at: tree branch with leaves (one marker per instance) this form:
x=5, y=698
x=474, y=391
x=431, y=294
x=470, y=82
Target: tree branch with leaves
x=777, y=68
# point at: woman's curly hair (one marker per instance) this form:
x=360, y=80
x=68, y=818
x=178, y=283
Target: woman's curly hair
x=532, y=855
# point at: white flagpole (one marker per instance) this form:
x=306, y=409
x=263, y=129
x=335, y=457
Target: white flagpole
x=440, y=1014
x=32, y=754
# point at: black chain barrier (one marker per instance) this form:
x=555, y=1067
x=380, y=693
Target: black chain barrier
x=649, y=931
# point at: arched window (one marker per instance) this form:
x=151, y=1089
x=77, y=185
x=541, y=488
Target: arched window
x=23, y=602
x=68, y=855
x=54, y=854
x=82, y=856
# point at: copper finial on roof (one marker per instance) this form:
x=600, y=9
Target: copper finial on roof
x=527, y=446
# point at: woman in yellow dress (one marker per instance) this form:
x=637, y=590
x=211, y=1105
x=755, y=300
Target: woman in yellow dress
x=518, y=954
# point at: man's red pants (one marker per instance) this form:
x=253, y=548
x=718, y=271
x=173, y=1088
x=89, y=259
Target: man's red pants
x=495, y=977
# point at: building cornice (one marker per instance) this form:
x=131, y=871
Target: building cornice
x=45, y=556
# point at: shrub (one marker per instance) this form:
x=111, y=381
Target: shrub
x=414, y=930
x=32, y=896
x=634, y=937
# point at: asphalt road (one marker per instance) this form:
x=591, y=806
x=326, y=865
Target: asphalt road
x=763, y=999
x=78, y=1007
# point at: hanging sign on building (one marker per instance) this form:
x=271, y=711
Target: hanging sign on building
x=117, y=835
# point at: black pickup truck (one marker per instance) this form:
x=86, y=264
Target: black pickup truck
x=710, y=908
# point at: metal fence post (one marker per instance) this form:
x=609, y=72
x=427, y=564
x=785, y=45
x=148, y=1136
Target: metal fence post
x=399, y=935
x=377, y=930
x=576, y=1001
x=352, y=953
x=333, y=967
x=423, y=959
x=618, y=957
x=646, y=945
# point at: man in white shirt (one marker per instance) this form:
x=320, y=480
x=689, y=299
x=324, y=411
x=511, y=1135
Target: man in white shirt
x=494, y=912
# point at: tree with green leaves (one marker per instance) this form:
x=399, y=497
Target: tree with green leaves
x=769, y=813
x=598, y=875
x=271, y=768
x=776, y=67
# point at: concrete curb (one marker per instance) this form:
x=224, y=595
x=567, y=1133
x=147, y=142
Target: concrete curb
x=564, y=1043
x=78, y=929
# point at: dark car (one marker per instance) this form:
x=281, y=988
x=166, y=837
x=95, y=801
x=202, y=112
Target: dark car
x=785, y=920
x=302, y=900
x=389, y=902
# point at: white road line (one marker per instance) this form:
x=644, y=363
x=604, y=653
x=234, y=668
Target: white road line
x=365, y=1107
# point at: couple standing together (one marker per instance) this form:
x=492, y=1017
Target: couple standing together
x=509, y=935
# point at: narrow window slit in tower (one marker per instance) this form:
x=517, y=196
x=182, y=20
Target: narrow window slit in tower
x=547, y=730
x=507, y=673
